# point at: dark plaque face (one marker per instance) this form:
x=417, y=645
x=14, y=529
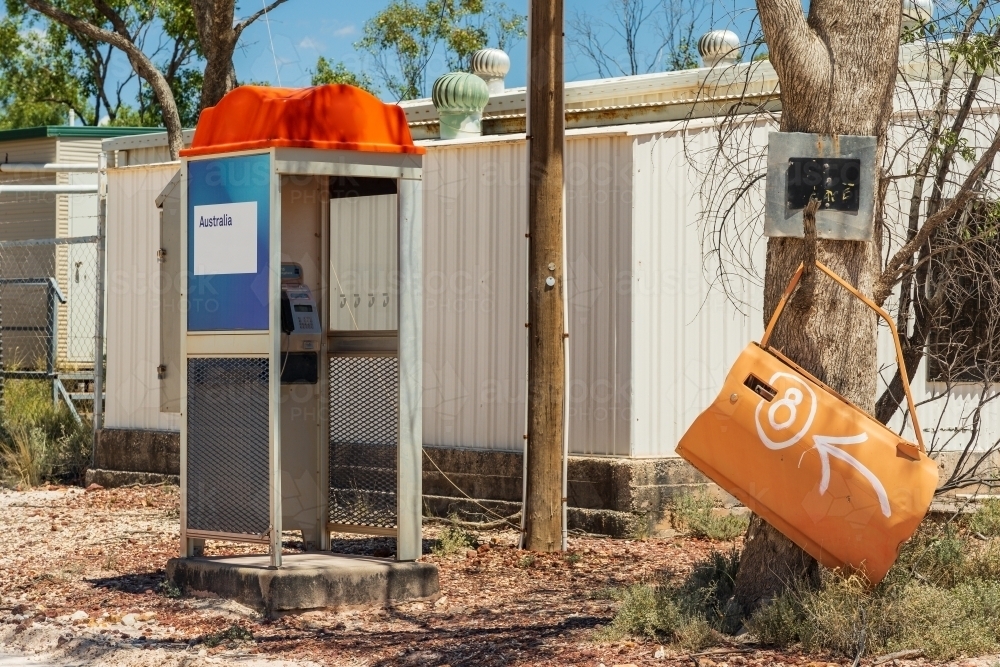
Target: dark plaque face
x=833, y=181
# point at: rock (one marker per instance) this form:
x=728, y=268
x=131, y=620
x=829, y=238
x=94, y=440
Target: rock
x=441, y=601
x=147, y=616
x=483, y=548
x=94, y=487
x=706, y=662
x=79, y=616
x=471, y=553
x=129, y=620
x=661, y=653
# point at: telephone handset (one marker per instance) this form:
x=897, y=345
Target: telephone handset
x=287, y=324
x=300, y=328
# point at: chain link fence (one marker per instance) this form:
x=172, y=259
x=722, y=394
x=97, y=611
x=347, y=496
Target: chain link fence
x=49, y=315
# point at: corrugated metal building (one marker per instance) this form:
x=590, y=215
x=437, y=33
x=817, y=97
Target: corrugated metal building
x=651, y=334
x=47, y=216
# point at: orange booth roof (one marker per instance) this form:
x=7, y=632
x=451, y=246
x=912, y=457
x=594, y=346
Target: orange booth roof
x=332, y=117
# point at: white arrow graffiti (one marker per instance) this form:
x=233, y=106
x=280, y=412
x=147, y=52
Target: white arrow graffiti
x=782, y=414
x=827, y=446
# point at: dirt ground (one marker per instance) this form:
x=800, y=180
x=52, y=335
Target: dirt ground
x=81, y=575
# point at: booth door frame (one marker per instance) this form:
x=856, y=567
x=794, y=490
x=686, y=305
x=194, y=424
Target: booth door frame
x=407, y=169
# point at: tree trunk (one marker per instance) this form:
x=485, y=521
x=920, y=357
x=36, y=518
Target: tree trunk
x=837, y=72
x=218, y=36
x=141, y=63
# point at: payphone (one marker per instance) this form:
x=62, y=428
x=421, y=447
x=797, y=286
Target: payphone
x=298, y=414
x=300, y=328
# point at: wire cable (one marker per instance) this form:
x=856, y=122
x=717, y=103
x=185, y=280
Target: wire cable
x=267, y=21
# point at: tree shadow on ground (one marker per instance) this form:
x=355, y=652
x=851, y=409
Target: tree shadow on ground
x=136, y=583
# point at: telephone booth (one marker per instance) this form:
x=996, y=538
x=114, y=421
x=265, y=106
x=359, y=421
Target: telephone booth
x=300, y=318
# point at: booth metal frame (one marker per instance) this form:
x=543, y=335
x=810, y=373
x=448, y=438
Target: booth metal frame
x=406, y=169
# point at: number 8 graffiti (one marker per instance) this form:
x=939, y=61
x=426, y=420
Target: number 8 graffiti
x=825, y=445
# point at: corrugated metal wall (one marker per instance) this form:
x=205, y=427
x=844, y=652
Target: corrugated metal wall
x=475, y=261
x=651, y=337
x=28, y=216
x=475, y=219
x=133, y=332
x=363, y=263
x=76, y=215
x=685, y=333
x=598, y=172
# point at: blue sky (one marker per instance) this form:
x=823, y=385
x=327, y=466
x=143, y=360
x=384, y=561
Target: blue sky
x=303, y=30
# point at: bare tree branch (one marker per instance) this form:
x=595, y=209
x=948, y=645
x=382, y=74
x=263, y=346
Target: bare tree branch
x=886, y=281
x=242, y=25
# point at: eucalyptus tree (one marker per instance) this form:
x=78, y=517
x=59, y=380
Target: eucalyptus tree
x=48, y=68
x=934, y=260
x=406, y=38
x=120, y=24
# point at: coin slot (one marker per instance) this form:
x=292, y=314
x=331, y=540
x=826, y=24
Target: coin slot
x=761, y=388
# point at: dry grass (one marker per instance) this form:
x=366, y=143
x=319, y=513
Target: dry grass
x=942, y=596
x=691, y=614
x=40, y=441
x=696, y=514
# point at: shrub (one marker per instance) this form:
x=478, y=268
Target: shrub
x=454, y=539
x=986, y=519
x=690, y=614
x=696, y=514
x=901, y=614
x=234, y=633
x=40, y=441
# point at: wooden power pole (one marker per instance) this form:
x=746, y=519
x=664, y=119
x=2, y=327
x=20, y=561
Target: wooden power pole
x=546, y=286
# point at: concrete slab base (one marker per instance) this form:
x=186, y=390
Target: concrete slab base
x=317, y=580
x=110, y=479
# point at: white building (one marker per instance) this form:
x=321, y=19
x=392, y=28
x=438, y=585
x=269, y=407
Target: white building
x=652, y=334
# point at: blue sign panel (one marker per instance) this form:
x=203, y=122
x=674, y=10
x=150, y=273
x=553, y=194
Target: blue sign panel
x=229, y=212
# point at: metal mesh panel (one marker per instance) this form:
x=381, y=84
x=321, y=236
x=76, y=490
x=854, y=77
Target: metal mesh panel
x=48, y=288
x=364, y=428
x=227, y=445
x=48, y=313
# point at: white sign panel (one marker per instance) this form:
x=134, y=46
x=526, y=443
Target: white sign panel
x=225, y=238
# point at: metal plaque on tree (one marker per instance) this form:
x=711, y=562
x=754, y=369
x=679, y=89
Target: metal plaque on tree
x=837, y=170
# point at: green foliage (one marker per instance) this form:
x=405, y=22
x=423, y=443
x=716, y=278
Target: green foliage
x=46, y=69
x=169, y=589
x=683, y=56
x=233, y=633
x=951, y=144
x=980, y=52
x=692, y=614
x=454, y=539
x=40, y=441
x=327, y=72
x=404, y=37
x=696, y=513
x=986, y=520
x=528, y=560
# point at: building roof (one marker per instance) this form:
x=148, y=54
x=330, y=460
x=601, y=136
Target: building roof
x=76, y=132
x=703, y=92
x=331, y=117
x=660, y=96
